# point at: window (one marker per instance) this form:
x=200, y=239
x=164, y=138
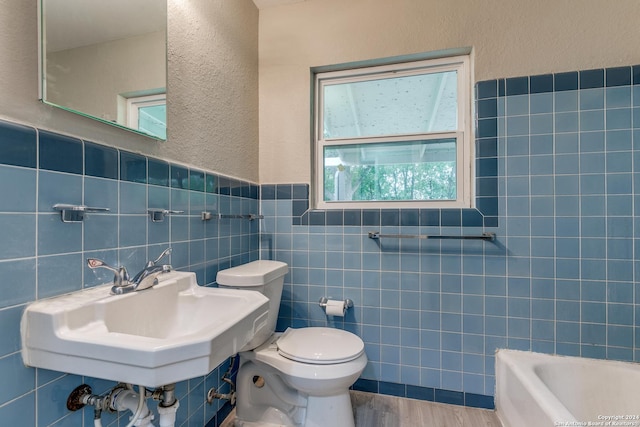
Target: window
x=148, y=114
x=394, y=135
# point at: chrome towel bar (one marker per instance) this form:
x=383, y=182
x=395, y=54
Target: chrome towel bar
x=250, y=217
x=206, y=216
x=484, y=236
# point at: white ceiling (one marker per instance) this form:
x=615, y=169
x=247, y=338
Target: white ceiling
x=86, y=22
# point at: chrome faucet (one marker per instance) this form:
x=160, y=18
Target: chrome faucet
x=146, y=278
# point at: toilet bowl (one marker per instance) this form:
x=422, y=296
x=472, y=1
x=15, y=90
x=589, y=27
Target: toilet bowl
x=297, y=378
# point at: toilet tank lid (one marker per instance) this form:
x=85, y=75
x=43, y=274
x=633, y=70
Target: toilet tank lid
x=254, y=273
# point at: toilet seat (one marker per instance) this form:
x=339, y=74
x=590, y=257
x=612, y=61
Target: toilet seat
x=319, y=346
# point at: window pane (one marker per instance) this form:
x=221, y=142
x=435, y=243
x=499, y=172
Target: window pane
x=391, y=106
x=415, y=170
x=153, y=120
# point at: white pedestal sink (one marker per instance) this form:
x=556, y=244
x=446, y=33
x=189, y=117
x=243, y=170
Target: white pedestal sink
x=172, y=332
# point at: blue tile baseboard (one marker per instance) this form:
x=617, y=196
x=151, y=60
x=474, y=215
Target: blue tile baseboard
x=425, y=393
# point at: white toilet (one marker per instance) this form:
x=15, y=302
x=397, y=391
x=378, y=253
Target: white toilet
x=297, y=378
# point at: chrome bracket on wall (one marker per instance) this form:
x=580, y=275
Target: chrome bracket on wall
x=75, y=213
x=157, y=215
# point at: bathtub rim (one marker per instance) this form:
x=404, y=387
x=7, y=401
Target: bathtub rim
x=523, y=365
x=540, y=393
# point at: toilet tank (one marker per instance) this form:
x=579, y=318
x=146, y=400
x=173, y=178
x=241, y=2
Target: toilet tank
x=264, y=276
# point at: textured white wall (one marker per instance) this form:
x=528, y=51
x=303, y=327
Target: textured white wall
x=509, y=38
x=212, y=86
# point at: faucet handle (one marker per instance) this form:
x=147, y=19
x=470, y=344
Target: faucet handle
x=162, y=255
x=120, y=278
x=94, y=263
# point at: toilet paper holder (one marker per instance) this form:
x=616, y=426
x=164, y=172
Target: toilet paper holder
x=323, y=303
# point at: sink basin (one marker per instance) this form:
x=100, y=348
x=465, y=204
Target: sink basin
x=172, y=332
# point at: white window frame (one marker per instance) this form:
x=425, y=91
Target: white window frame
x=463, y=133
x=134, y=103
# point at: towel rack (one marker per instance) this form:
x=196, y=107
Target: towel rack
x=206, y=216
x=484, y=236
x=250, y=217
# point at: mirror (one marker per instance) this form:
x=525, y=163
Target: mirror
x=106, y=60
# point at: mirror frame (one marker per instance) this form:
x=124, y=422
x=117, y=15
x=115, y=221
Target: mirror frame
x=42, y=76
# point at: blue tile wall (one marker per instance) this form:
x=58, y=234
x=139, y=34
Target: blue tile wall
x=557, y=171
x=556, y=158
x=41, y=256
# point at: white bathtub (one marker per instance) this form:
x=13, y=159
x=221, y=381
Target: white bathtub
x=540, y=390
